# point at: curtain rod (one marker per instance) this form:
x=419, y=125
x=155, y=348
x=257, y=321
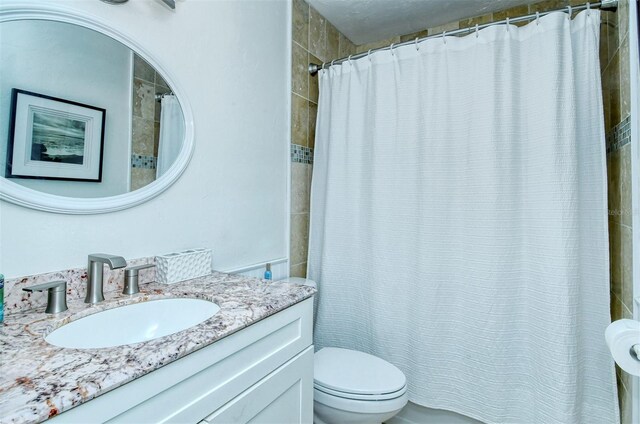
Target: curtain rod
x=611, y=5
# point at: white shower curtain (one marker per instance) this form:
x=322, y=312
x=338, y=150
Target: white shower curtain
x=171, y=133
x=459, y=220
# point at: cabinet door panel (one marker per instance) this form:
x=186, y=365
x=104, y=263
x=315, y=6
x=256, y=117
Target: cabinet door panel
x=283, y=397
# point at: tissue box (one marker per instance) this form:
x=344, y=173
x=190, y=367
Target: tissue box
x=179, y=266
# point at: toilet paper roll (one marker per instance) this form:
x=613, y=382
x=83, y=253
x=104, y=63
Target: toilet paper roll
x=622, y=336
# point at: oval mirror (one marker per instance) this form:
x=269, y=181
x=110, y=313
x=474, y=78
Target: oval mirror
x=88, y=122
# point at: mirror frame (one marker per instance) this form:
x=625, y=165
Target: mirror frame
x=23, y=196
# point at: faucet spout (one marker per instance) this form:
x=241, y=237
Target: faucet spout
x=95, y=274
x=113, y=261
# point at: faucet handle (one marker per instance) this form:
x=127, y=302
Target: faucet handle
x=131, y=276
x=56, y=295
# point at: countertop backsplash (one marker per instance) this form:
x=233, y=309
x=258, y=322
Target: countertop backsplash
x=16, y=300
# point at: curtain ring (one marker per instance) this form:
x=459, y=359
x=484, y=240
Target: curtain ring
x=507, y=24
x=322, y=66
x=332, y=62
x=369, y=55
x=416, y=41
x=391, y=49
x=444, y=40
x=476, y=30
x=570, y=9
x=349, y=59
x=588, y=9
x=537, y=18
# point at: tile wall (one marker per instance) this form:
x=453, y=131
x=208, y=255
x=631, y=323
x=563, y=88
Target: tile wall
x=616, y=91
x=316, y=40
x=146, y=122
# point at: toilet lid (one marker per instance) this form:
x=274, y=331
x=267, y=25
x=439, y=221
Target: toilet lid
x=350, y=371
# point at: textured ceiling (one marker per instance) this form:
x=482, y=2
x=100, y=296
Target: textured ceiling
x=364, y=21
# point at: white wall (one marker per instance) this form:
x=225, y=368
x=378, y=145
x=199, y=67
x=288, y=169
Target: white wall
x=77, y=64
x=231, y=58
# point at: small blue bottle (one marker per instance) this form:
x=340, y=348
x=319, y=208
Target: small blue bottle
x=267, y=273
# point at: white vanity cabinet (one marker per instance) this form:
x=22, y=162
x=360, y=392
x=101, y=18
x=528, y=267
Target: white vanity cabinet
x=261, y=374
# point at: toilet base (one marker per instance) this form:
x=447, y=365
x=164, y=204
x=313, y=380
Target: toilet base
x=323, y=414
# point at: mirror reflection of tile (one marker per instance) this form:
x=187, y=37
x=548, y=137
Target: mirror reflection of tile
x=146, y=122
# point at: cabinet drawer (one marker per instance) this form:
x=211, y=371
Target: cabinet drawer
x=283, y=397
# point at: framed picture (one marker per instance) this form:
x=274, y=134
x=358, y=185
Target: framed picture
x=51, y=138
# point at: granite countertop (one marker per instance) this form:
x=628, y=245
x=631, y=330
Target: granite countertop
x=39, y=380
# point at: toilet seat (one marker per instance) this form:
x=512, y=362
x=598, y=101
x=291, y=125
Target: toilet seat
x=350, y=374
x=358, y=396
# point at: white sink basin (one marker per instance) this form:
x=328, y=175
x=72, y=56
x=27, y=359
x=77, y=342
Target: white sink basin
x=139, y=322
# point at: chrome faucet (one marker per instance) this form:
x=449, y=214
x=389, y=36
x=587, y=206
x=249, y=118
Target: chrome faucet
x=95, y=274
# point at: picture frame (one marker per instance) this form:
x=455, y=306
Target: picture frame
x=53, y=138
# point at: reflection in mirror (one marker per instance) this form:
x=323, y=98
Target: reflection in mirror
x=82, y=115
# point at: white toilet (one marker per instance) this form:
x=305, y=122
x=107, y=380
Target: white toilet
x=351, y=387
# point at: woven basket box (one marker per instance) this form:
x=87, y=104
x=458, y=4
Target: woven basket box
x=179, y=266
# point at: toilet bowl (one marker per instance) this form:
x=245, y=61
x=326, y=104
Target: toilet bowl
x=352, y=387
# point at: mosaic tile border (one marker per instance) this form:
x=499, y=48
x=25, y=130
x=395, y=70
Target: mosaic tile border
x=145, y=162
x=301, y=154
x=619, y=136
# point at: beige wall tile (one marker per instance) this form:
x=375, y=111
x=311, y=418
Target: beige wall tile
x=613, y=185
x=142, y=142
x=616, y=307
x=627, y=260
x=615, y=257
x=625, y=185
x=299, y=270
x=156, y=138
x=299, y=119
x=413, y=35
x=141, y=177
x=377, y=44
x=606, y=99
x=299, y=72
x=142, y=70
x=313, y=113
x=161, y=84
x=547, y=5
x=612, y=75
x=345, y=46
x=441, y=28
x=612, y=34
x=313, y=81
x=300, y=187
x=143, y=99
x=300, y=30
x=317, y=34
x=625, y=84
x=511, y=13
x=623, y=20
x=299, y=237
x=333, y=42
x=604, y=51
x=471, y=22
